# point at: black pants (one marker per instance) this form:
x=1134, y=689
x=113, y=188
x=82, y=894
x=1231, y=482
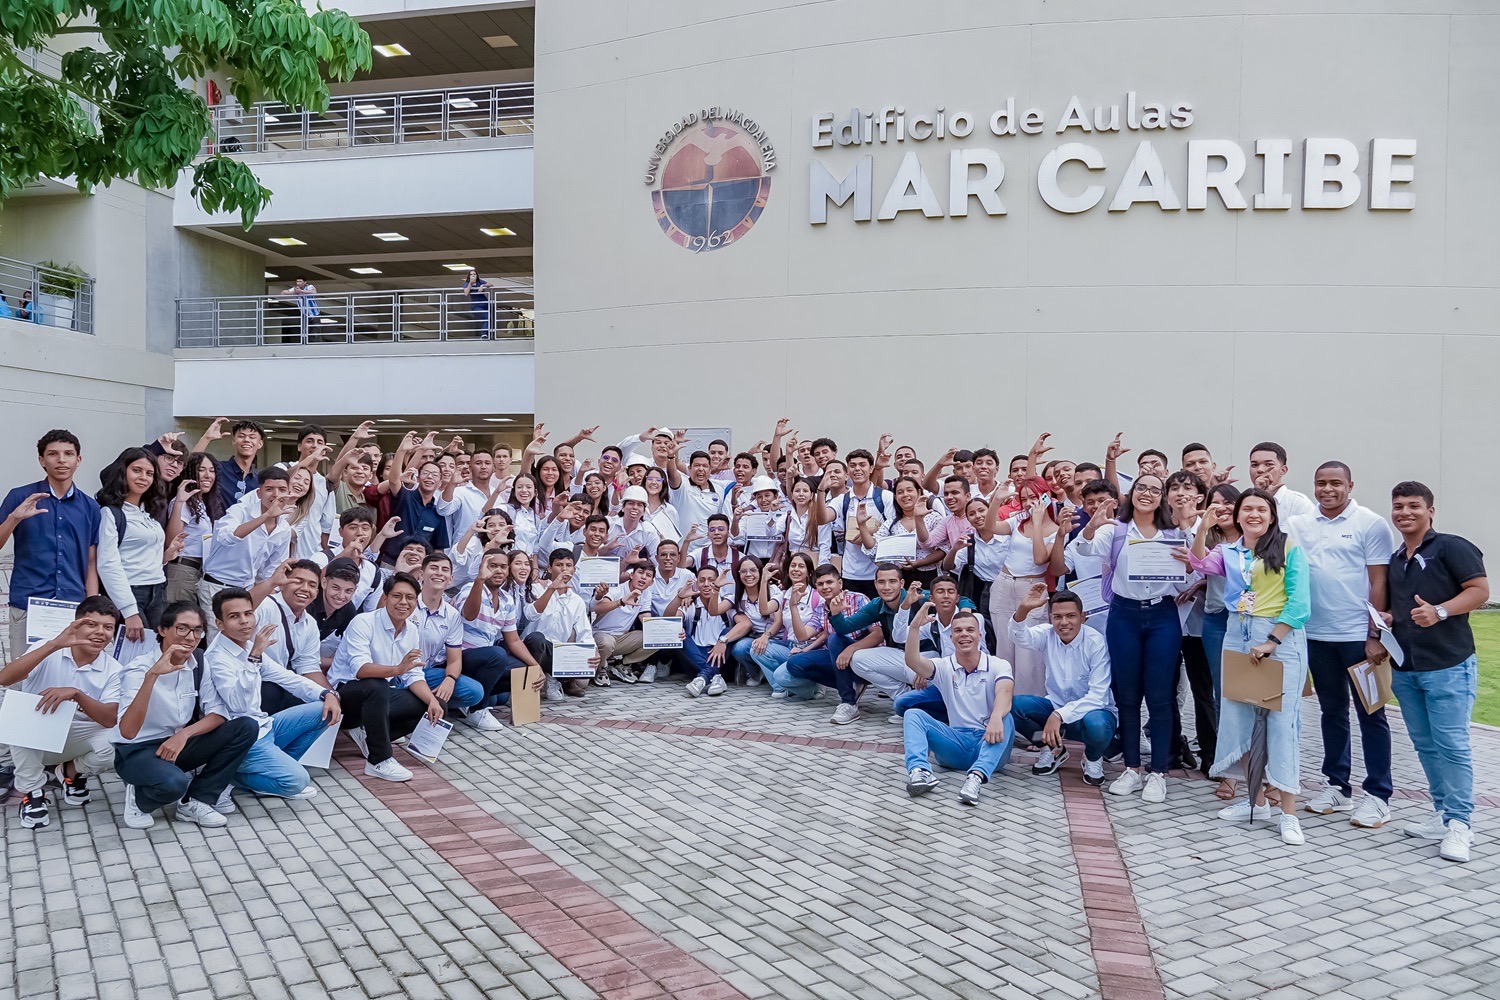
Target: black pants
x=152, y=601
x=386, y=712
x=1205, y=706
x=160, y=782
x=491, y=667
x=275, y=698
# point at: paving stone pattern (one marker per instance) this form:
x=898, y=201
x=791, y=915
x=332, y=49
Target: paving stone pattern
x=640, y=844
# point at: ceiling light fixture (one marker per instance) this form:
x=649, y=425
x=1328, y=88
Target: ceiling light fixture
x=392, y=49
x=390, y=420
x=500, y=41
x=389, y=237
x=283, y=420
x=461, y=103
x=365, y=270
x=270, y=275
x=288, y=241
x=370, y=110
x=458, y=267
x=498, y=231
x=498, y=420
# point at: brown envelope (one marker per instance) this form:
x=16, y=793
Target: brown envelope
x=1373, y=683
x=1252, y=683
x=525, y=702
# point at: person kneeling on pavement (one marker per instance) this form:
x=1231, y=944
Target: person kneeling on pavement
x=1078, y=705
x=162, y=738
x=71, y=668
x=977, y=688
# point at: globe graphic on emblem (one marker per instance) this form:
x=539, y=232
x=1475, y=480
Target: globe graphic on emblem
x=712, y=187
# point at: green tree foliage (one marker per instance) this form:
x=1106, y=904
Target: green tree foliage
x=121, y=109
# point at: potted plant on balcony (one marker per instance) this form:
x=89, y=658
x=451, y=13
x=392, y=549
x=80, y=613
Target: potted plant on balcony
x=58, y=291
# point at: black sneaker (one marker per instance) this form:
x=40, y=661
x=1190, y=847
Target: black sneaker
x=75, y=790
x=34, y=811
x=1049, y=760
x=7, y=783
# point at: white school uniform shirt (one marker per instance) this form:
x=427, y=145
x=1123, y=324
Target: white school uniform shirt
x=895, y=528
x=296, y=648
x=1135, y=590
x=664, y=590
x=935, y=631
x=702, y=628
x=99, y=680
x=810, y=602
x=693, y=505
x=526, y=527
x=372, y=638
x=1339, y=553
x=749, y=606
x=231, y=683
x=1077, y=671
x=664, y=521
x=199, y=530
x=989, y=556
x=439, y=631
x=622, y=543
x=132, y=561
x=858, y=563
x=463, y=510
x=619, y=621
x=242, y=562
x=797, y=540
x=762, y=548
x=308, y=536
x=565, y=619
x=173, y=698
x=1291, y=505
x=969, y=697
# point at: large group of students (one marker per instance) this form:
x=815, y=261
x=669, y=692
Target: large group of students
x=370, y=590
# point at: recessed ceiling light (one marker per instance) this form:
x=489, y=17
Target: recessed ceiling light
x=458, y=267
x=461, y=103
x=393, y=49
x=499, y=41
x=270, y=275
x=288, y=241
x=499, y=231
x=390, y=420
x=458, y=430
x=283, y=420
x=370, y=110
x=365, y=270
x=498, y=420
x=326, y=320
x=270, y=119
x=389, y=237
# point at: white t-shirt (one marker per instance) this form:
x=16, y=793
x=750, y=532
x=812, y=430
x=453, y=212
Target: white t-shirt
x=1339, y=554
x=619, y=620
x=1020, y=560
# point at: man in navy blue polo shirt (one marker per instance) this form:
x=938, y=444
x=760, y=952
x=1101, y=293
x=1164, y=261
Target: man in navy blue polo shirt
x=1435, y=580
x=417, y=508
x=236, y=475
x=56, y=528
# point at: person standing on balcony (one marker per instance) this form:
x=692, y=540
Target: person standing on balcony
x=477, y=289
x=307, y=306
x=237, y=475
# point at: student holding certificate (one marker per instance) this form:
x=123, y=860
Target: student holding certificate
x=916, y=518
x=1269, y=599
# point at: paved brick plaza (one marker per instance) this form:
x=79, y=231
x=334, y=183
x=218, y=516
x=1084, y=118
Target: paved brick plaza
x=640, y=844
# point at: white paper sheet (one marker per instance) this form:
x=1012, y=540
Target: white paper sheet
x=427, y=739
x=45, y=619
x=896, y=548
x=22, y=725
x=1151, y=560
x=320, y=754
x=756, y=526
x=571, y=659
x=592, y=571
x=1091, y=593
x=661, y=633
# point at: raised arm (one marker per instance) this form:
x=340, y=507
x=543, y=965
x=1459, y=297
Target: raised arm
x=915, y=661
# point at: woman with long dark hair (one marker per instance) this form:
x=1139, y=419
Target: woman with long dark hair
x=551, y=487
x=1269, y=598
x=196, y=505
x=1143, y=631
x=132, y=540
x=526, y=511
x=1221, y=529
x=913, y=516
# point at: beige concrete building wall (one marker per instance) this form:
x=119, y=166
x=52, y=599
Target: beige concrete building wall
x=1368, y=336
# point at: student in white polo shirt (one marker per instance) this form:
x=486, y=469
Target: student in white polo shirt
x=1267, y=470
x=765, y=502
x=72, y=667
x=694, y=496
x=441, y=628
x=1348, y=552
x=250, y=541
x=282, y=602
x=976, y=689
x=1079, y=704
x=615, y=612
x=863, y=499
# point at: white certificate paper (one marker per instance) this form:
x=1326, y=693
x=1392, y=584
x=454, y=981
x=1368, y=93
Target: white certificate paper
x=896, y=548
x=426, y=741
x=1150, y=560
x=21, y=725
x=661, y=633
x=592, y=571
x=755, y=525
x=1090, y=592
x=320, y=754
x=45, y=619
x=571, y=659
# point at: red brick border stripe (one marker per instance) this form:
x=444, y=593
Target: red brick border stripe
x=1122, y=951
x=605, y=947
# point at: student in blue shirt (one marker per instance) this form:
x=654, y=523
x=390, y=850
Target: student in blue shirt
x=237, y=474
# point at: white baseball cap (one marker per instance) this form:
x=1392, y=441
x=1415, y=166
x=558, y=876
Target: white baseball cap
x=638, y=459
x=762, y=483
x=665, y=432
x=633, y=493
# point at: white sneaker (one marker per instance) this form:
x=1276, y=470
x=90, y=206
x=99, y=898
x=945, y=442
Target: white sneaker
x=225, y=806
x=1371, y=814
x=1330, y=800
x=969, y=794
x=389, y=770
x=1242, y=811
x=1156, y=788
x=1049, y=760
x=134, y=818
x=695, y=686
x=483, y=720
x=361, y=741
x=1291, y=830
x=553, y=690
x=717, y=685
x=920, y=781
x=193, y=811
x=1456, y=844
x=895, y=719
x=844, y=714
x=1128, y=783
x=1093, y=772
x=779, y=695
x=1435, y=828
x=310, y=792
x=648, y=674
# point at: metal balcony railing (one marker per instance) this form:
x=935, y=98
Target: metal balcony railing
x=377, y=120
x=419, y=315
x=47, y=296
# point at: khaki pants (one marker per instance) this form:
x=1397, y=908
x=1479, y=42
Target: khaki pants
x=88, y=746
x=627, y=646
x=1027, y=665
x=17, y=633
x=206, y=592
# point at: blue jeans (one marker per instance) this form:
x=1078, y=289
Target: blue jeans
x=270, y=766
x=1329, y=664
x=1144, y=646
x=1215, y=626
x=802, y=673
x=929, y=699
x=960, y=749
x=467, y=692
x=1436, y=706
x=695, y=658
x=1094, y=730
x=777, y=653
x=490, y=667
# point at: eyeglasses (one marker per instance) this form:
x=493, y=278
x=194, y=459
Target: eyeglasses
x=1150, y=491
x=189, y=630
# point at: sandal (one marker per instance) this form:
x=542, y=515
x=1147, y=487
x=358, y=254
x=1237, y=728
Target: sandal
x=1228, y=790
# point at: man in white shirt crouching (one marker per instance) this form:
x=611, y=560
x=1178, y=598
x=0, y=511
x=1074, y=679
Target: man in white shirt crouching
x=1078, y=705
x=976, y=689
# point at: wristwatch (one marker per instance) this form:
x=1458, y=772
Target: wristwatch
x=1442, y=613
x=326, y=693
